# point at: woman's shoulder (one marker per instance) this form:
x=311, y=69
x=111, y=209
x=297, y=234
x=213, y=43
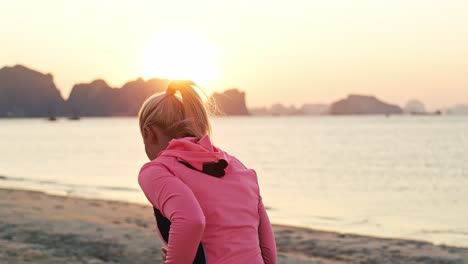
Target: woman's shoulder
x=154, y=168
x=237, y=163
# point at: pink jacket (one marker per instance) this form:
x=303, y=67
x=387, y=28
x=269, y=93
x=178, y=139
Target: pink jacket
x=207, y=205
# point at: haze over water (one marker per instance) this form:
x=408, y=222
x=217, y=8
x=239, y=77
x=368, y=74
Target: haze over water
x=399, y=176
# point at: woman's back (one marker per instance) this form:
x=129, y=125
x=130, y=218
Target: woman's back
x=226, y=192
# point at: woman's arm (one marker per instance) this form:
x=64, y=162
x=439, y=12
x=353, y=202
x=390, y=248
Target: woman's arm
x=267, y=237
x=178, y=203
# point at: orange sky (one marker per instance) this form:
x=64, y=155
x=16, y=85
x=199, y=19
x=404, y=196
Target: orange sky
x=277, y=51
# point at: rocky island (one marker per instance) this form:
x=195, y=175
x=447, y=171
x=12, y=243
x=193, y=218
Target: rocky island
x=28, y=93
x=363, y=105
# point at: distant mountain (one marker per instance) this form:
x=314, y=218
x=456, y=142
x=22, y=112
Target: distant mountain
x=28, y=93
x=461, y=109
x=231, y=102
x=315, y=109
x=363, y=105
x=281, y=110
x=92, y=99
x=99, y=99
x=132, y=94
x=414, y=107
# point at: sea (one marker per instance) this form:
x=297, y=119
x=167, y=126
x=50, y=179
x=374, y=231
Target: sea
x=395, y=176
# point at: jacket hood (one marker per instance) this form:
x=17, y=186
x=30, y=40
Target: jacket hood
x=194, y=151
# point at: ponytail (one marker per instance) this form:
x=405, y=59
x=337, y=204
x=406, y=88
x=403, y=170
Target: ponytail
x=179, y=112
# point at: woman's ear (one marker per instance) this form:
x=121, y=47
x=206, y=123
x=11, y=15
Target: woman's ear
x=149, y=136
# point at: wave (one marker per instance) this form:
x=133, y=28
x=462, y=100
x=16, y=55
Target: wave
x=67, y=185
x=117, y=188
x=5, y=178
x=446, y=231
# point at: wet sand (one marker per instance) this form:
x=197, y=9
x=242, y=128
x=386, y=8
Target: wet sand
x=39, y=228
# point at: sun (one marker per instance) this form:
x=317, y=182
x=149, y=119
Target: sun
x=179, y=56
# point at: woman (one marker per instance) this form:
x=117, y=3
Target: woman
x=207, y=204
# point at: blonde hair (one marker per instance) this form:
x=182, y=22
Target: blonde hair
x=179, y=114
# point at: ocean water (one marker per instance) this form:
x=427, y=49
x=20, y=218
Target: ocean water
x=402, y=176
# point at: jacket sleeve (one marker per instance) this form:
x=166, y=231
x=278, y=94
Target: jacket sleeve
x=267, y=237
x=177, y=203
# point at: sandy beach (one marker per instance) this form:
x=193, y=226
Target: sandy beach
x=39, y=228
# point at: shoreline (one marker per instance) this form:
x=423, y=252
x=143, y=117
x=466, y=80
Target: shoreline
x=46, y=228
x=325, y=230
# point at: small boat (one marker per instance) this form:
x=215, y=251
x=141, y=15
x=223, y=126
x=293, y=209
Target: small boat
x=50, y=111
x=75, y=115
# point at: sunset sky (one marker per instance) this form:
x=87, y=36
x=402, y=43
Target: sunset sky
x=291, y=51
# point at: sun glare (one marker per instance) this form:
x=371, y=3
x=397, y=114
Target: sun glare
x=179, y=55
